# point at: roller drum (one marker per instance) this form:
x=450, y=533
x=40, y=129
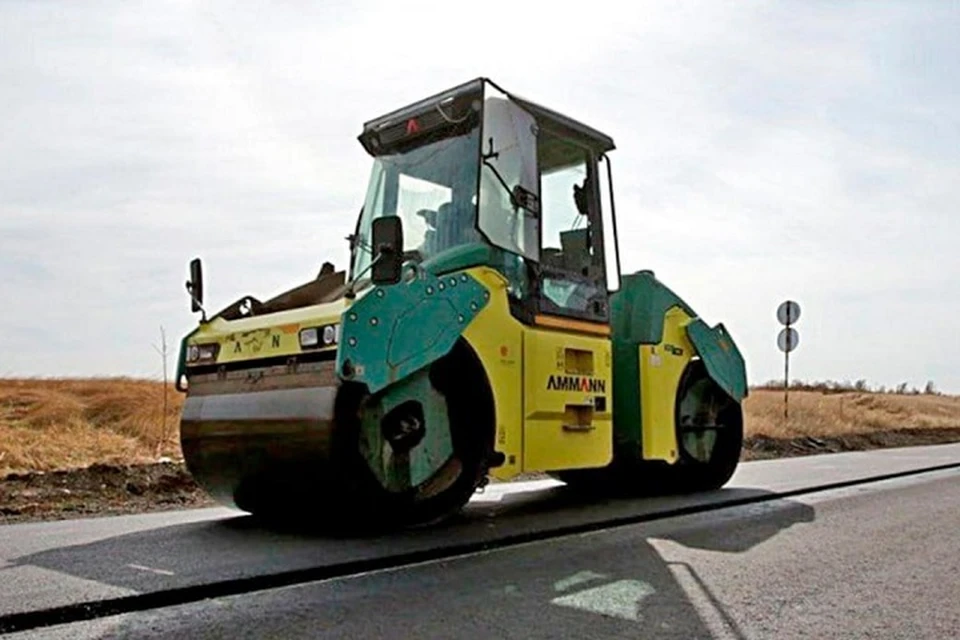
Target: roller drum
x=261, y=439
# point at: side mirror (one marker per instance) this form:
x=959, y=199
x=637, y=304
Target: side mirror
x=195, y=285
x=388, y=243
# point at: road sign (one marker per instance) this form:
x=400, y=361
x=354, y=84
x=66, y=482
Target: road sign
x=788, y=339
x=788, y=312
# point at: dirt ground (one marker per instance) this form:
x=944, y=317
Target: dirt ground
x=83, y=448
x=98, y=490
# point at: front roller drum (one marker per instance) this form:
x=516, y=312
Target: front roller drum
x=265, y=452
x=306, y=447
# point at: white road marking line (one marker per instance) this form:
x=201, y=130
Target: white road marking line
x=712, y=614
x=162, y=572
x=619, y=599
x=577, y=578
x=711, y=611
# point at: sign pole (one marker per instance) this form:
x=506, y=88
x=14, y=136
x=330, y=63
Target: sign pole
x=787, y=314
x=786, y=384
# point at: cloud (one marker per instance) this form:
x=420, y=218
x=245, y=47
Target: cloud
x=804, y=150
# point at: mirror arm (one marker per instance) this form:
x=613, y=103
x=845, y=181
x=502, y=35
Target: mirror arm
x=350, y=294
x=196, y=301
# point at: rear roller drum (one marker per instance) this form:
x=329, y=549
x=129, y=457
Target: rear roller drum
x=709, y=432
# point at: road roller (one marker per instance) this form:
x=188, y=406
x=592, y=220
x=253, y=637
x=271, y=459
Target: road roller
x=482, y=329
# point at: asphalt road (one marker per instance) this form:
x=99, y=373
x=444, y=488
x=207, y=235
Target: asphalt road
x=877, y=560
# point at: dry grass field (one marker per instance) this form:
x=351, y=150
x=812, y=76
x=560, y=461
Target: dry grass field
x=820, y=414
x=48, y=424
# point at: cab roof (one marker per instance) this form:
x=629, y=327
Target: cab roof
x=598, y=141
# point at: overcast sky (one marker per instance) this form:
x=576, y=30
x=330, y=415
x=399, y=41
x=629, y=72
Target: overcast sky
x=766, y=150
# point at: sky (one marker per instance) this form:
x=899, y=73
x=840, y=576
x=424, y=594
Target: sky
x=765, y=150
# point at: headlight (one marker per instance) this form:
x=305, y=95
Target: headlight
x=318, y=337
x=308, y=337
x=197, y=353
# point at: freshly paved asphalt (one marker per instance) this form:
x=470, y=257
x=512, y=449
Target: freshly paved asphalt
x=875, y=561
x=836, y=564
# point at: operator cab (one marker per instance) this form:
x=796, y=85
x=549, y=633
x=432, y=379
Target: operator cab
x=478, y=167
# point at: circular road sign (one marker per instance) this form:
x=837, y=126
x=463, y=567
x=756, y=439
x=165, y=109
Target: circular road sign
x=788, y=312
x=788, y=340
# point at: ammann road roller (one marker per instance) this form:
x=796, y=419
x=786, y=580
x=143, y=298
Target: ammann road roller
x=482, y=329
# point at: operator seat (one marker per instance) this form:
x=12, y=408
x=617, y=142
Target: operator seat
x=455, y=225
x=430, y=240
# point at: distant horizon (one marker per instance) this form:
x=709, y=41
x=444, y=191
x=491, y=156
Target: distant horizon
x=798, y=151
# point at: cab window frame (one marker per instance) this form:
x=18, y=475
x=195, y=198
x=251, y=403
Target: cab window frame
x=597, y=310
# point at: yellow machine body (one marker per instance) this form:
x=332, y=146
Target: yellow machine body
x=544, y=381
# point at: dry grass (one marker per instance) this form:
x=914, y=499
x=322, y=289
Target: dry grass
x=838, y=414
x=67, y=423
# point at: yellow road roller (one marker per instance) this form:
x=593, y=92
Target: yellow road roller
x=482, y=329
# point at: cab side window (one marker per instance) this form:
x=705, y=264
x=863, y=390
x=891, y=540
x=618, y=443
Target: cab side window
x=572, y=279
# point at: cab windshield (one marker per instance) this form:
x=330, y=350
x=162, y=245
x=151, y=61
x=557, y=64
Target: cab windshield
x=433, y=189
